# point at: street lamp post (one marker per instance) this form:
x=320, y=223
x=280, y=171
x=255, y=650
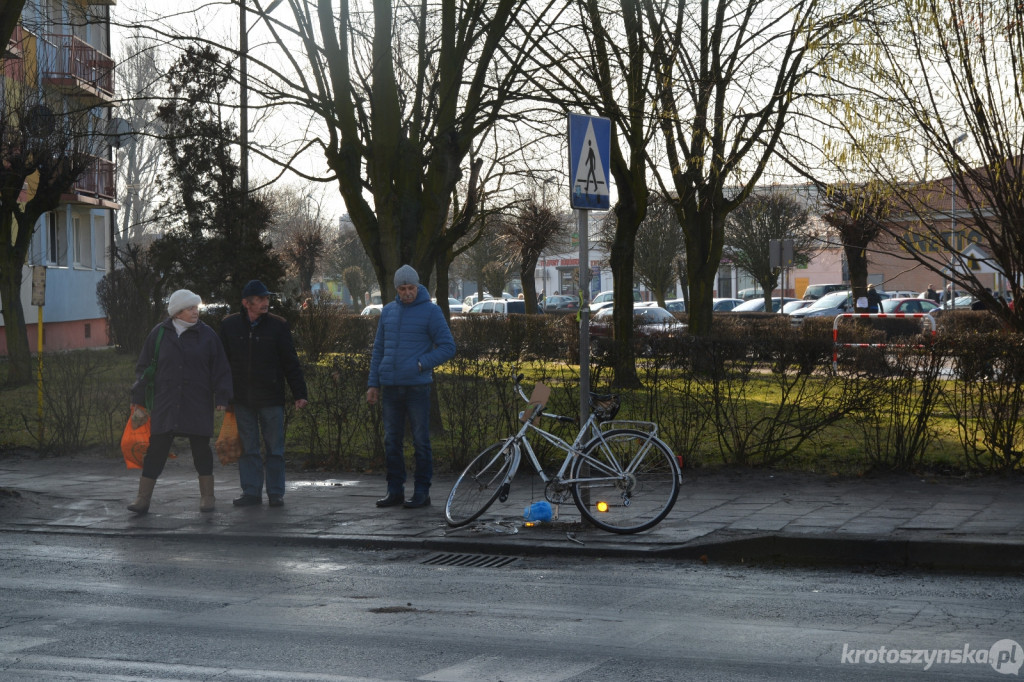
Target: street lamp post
x=952, y=224
x=243, y=116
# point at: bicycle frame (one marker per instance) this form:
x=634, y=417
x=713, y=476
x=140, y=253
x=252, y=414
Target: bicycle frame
x=587, y=434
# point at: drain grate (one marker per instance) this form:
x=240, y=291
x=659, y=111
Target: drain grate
x=471, y=560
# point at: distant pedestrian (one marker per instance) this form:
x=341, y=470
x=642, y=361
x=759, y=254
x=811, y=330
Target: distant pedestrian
x=192, y=378
x=874, y=299
x=932, y=294
x=412, y=339
x=262, y=355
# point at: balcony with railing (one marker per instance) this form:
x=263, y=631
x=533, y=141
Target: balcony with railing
x=77, y=68
x=96, y=186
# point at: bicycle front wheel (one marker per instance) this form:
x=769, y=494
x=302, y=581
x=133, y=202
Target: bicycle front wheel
x=479, y=484
x=626, y=482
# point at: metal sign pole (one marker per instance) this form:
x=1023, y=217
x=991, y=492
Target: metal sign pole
x=582, y=216
x=39, y=300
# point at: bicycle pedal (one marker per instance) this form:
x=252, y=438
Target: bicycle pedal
x=503, y=493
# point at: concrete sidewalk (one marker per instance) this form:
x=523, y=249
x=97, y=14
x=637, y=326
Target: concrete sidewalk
x=719, y=517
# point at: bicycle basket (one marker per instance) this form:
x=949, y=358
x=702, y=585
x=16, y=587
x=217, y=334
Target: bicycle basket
x=604, y=407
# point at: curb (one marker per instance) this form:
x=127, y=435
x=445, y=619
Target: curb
x=979, y=555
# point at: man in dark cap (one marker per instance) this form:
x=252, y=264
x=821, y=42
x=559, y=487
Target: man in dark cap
x=412, y=338
x=262, y=356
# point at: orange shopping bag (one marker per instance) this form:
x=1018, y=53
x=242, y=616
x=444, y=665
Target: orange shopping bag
x=135, y=442
x=229, y=445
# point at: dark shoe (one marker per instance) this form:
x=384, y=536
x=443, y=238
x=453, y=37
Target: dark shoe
x=247, y=501
x=390, y=500
x=275, y=501
x=417, y=500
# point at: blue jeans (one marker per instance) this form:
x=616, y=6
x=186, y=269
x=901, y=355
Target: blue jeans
x=412, y=403
x=252, y=423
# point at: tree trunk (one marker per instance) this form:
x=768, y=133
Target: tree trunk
x=19, y=368
x=622, y=315
x=857, y=262
x=529, y=285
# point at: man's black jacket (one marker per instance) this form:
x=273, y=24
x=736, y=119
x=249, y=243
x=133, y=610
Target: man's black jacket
x=262, y=356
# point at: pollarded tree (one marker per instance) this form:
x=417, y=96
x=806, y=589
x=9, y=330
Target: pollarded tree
x=527, y=232
x=47, y=143
x=752, y=226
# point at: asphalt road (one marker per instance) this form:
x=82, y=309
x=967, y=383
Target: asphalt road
x=99, y=608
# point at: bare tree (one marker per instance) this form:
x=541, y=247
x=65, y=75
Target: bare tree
x=138, y=157
x=535, y=226
x=929, y=110
x=47, y=143
x=595, y=61
x=728, y=74
x=660, y=243
x=299, y=234
x=752, y=226
x=399, y=94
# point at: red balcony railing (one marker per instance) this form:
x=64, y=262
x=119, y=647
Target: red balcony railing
x=98, y=181
x=77, y=67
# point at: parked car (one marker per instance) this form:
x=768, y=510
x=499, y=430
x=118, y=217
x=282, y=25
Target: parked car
x=652, y=326
x=908, y=305
x=676, y=305
x=794, y=306
x=561, y=304
x=473, y=299
x=496, y=306
x=828, y=305
x=816, y=291
x=750, y=293
x=724, y=305
x=605, y=299
x=372, y=310
x=756, y=305
x=454, y=305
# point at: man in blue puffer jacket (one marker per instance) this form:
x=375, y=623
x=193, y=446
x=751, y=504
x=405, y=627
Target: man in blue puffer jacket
x=412, y=338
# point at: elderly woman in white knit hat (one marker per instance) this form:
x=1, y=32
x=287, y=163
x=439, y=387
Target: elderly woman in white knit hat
x=191, y=379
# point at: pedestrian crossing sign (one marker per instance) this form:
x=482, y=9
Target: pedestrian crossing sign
x=589, y=161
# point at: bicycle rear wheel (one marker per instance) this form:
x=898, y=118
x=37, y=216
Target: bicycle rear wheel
x=632, y=482
x=479, y=484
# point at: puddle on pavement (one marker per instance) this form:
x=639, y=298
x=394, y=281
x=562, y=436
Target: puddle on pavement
x=329, y=483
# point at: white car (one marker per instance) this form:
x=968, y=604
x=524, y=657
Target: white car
x=454, y=305
x=606, y=298
x=372, y=310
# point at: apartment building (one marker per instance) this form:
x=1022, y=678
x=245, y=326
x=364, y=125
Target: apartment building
x=62, y=48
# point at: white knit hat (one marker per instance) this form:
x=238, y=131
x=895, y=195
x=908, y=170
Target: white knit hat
x=181, y=299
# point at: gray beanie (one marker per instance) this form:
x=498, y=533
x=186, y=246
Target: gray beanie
x=181, y=299
x=406, y=275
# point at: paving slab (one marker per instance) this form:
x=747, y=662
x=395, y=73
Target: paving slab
x=724, y=515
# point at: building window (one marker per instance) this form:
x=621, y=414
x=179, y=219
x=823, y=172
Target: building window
x=56, y=240
x=88, y=330
x=99, y=242
x=83, y=242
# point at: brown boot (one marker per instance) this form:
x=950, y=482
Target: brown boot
x=206, y=501
x=141, y=504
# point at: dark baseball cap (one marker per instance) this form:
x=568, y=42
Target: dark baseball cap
x=255, y=288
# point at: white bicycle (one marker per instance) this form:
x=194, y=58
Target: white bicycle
x=621, y=476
